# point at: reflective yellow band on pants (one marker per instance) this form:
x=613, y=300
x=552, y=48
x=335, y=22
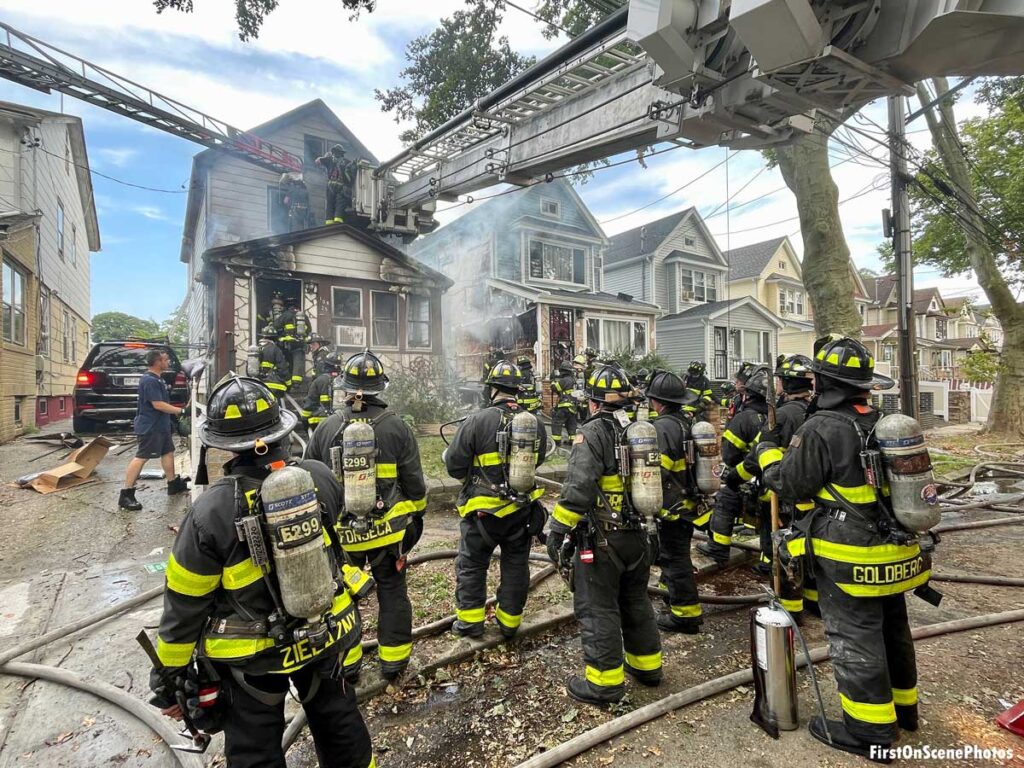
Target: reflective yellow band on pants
x=608, y=677
x=793, y=606
x=721, y=538
x=471, y=615
x=566, y=516
x=507, y=619
x=904, y=697
x=174, y=654
x=876, y=714
x=354, y=655
x=186, y=582
x=687, y=611
x=644, y=663
x=394, y=652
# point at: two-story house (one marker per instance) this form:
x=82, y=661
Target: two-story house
x=356, y=289
x=676, y=263
x=48, y=227
x=528, y=279
x=771, y=272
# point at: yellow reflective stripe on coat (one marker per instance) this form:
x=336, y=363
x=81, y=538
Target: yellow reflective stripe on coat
x=735, y=440
x=174, y=654
x=811, y=594
x=487, y=460
x=904, y=697
x=226, y=649
x=687, y=611
x=702, y=519
x=241, y=574
x=876, y=714
x=884, y=590
x=672, y=465
x=507, y=619
x=611, y=483
x=745, y=476
x=857, y=494
x=471, y=615
x=768, y=457
x=878, y=554
x=644, y=663
x=186, y=582
x=606, y=678
x=386, y=471
x=566, y=516
x=496, y=506
x=394, y=652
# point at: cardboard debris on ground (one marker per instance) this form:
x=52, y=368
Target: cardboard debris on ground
x=76, y=471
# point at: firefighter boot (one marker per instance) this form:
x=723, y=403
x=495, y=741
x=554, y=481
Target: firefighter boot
x=127, y=500
x=178, y=485
x=717, y=552
x=599, y=696
x=462, y=629
x=843, y=740
x=687, y=626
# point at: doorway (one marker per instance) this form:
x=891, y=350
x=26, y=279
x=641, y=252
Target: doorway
x=562, y=335
x=266, y=287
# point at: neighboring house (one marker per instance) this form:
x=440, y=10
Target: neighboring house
x=676, y=263
x=527, y=272
x=770, y=272
x=356, y=289
x=48, y=228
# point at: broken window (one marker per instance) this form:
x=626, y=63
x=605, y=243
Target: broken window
x=347, y=304
x=557, y=262
x=312, y=148
x=385, y=319
x=418, y=320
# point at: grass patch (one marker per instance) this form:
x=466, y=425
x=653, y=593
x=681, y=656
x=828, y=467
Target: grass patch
x=431, y=449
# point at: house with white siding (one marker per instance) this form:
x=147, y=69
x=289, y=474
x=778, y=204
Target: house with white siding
x=356, y=289
x=48, y=228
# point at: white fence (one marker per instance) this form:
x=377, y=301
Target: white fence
x=981, y=402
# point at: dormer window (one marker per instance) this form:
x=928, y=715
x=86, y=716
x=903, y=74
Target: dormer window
x=550, y=208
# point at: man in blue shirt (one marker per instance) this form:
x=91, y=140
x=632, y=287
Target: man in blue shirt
x=153, y=428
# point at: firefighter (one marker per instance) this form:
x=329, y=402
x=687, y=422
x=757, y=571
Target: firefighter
x=732, y=392
x=340, y=181
x=528, y=396
x=611, y=553
x=739, y=436
x=492, y=513
x=590, y=360
x=320, y=397
x=293, y=329
x=565, y=410
x=274, y=370
x=319, y=348
x=223, y=608
x=295, y=198
x=401, y=494
x=681, y=510
x=862, y=573
x=698, y=383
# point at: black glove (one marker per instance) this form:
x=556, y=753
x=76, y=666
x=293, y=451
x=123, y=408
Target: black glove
x=556, y=538
x=732, y=479
x=413, y=532
x=770, y=435
x=165, y=683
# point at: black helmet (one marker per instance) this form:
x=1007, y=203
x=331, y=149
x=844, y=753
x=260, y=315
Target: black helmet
x=610, y=385
x=744, y=372
x=323, y=341
x=793, y=367
x=268, y=332
x=364, y=372
x=848, y=361
x=669, y=388
x=505, y=376
x=590, y=352
x=644, y=374
x=330, y=363
x=758, y=382
x=524, y=363
x=242, y=414
x=697, y=368
x=566, y=367
x=338, y=151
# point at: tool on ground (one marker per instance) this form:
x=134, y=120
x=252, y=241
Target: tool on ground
x=199, y=741
x=1013, y=719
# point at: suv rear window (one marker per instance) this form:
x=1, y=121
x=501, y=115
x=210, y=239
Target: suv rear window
x=117, y=356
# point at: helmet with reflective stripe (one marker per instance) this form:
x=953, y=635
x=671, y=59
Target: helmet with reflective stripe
x=759, y=381
x=609, y=384
x=793, y=367
x=241, y=413
x=744, y=372
x=364, y=372
x=268, y=332
x=330, y=363
x=696, y=368
x=669, y=388
x=524, y=363
x=847, y=360
x=580, y=360
x=505, y=376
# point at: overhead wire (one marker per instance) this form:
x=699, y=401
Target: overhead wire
x=676, y=191
x=94, y=172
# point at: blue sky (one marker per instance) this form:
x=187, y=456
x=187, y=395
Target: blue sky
x=310, y=49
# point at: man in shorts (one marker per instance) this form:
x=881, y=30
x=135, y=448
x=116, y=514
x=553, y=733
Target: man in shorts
x=153, y=428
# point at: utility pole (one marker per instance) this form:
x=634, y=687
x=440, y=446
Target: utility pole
x=900, y=227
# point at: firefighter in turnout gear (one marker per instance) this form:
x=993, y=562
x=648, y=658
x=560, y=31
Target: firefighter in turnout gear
x=396, y=523
x=528, y=396
x=493, y=512
x=732, y=399
x=341, y=177
x=698, y=383
x=564, y=416
x=597, y=535
x=230, y=582
x=320, y=397
x=292, y=328
x=274, y=369
x=863, y=560
x=683, y=508
x=740, y=434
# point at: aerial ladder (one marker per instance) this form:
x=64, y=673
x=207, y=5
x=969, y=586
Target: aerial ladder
x=734, y=73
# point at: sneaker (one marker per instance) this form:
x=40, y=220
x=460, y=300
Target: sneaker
x=843, y=740
x=127, y=500
x=178, y=485
x=583, y=691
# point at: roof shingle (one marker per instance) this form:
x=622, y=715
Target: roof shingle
x=750, y=260
x=627, y=244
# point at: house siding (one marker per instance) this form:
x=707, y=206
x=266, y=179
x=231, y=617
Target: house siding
x=680, y=341
x=17, y=361
x=625, y=280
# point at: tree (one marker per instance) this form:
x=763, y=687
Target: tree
x=969, y=206
x=574, y=16
x=980, y=365
x=107, y=326
x=250, y=13
x=452, y=67
x=175, y=328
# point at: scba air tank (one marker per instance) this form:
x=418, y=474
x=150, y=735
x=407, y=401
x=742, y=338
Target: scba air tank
x=644, y=467
x=908, y=469
x=522, y=452
x=708, y=456
x=301, y=562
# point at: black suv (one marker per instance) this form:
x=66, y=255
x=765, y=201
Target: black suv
x=107, y=386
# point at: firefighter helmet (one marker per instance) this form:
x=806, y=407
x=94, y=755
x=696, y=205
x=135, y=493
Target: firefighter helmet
x=848, y=361
x=696, y=368
x=609, y=384
x=793, y=367
x=242, y=413
x=364, y=372
x=338, y=151
x=330, y=363
x=566, y=367
x=744, y=372
x=524, y=363
x=580, y=360
x=269, y=332
x=759, y=381
x=505, y=376
x=669, y=388
x=590, y=353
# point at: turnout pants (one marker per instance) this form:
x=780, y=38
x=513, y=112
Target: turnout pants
x=480, y=537
x=394, y=621
x=873, y=658
x=792, y=593
x=335, y=203
x=728, y=507
x=610, y=600
x=677, y=571
x=253, y=728
x=563, y=417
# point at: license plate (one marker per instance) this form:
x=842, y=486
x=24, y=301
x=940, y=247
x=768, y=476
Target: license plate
x=130, y=381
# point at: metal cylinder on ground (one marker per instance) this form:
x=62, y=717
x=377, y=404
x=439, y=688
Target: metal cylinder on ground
x=522, y=452
x=709, y=457
x=908, y=470
x=644, y=468
x=774, y=664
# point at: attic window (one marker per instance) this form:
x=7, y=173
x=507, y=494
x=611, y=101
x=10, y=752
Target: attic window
x=550, y=208
x=312, y=148
x=689, y=240
x=782, y=265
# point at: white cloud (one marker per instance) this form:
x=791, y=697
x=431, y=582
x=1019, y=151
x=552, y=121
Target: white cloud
x=116, y=156
x=151, y=212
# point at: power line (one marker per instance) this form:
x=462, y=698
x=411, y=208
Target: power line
x=102, y=175
x=538, y=18
x=664, y=197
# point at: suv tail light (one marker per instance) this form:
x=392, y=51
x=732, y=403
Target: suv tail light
x=179, y=379
x=85, y=379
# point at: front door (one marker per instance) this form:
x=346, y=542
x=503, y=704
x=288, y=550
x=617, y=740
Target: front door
x=562, y=336
x=721, y=363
